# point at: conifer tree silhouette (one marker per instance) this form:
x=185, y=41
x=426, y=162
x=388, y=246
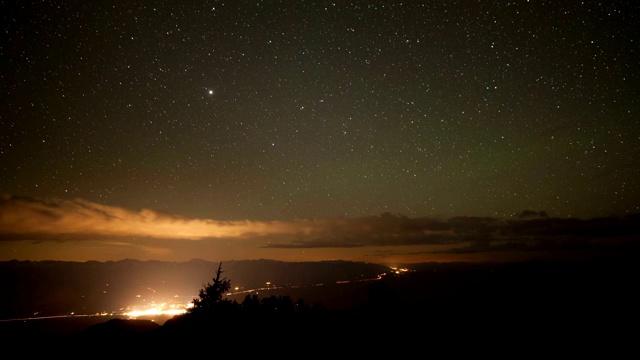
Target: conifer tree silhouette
x=211, y=293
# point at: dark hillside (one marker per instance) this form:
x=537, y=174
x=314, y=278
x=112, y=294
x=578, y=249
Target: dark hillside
x=537, y=307
x=53, y=288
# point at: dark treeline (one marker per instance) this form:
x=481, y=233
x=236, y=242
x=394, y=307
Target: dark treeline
x=523, y=309
x=535, y=307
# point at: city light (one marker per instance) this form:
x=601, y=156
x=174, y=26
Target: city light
x=154, y=309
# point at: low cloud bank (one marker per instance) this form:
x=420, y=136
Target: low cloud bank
x=23, y=218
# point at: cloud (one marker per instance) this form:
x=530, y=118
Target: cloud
x=530, y=233
x=27, y=218
x=23, y=218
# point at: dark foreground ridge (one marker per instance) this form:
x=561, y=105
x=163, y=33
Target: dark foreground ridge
x=534, y=308
x=52, y=288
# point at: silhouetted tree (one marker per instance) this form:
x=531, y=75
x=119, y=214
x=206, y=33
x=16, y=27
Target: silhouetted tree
x=280, y=304
x=211, y=293
x=251, y=303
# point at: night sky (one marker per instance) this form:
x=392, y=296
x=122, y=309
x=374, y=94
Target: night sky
x=378, y=131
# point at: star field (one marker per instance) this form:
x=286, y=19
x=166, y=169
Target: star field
x=280, y=110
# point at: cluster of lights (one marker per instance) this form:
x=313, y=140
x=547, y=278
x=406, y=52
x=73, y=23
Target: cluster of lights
x=154, y=309
x=399, y=270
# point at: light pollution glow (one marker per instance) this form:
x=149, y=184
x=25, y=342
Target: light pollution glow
x=80, y=230
x=159, y=309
